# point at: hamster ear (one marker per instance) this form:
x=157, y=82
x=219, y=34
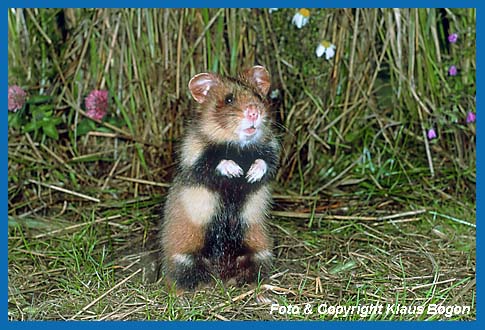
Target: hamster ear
x=260, y=77
x=200, y=84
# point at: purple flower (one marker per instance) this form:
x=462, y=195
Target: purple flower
x=452, y=38
x=470, y=117
x=431, y=134
x=96, y=104
x=452, y=71
x=16, y=98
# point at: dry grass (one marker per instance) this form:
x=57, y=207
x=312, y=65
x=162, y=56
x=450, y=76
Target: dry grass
x=367, y=209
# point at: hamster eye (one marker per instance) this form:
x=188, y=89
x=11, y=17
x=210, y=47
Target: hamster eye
x=229, y=99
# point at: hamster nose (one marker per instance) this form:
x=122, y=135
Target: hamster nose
x=252, y=113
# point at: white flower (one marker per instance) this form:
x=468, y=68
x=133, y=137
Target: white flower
x=301, y=18
x=327, y=48
x=274, y=94
x=270, y=10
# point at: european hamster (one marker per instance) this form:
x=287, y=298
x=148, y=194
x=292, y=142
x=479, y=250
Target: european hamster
x=215, y=212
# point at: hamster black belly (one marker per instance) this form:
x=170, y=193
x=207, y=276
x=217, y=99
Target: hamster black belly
x=224, y=235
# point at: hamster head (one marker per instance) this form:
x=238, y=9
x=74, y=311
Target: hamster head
x=233, y=110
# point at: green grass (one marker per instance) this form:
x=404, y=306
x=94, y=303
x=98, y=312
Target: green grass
x=412, y=261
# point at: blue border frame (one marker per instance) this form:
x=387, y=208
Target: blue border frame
x=293, y=325
x=243, y=4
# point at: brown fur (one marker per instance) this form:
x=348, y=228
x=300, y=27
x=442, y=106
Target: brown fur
x=182, y=235
x=256, y=238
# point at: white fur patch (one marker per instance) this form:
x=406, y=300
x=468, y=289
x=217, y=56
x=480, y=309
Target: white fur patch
x=183, y=259
x=229, y=168
x=263, y=255
x=199, y=203
x=256, y=206
x=244, y=138
x=191, y=150
x=257, y=170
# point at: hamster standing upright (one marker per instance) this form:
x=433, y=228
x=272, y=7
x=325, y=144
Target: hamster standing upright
x=215, y=212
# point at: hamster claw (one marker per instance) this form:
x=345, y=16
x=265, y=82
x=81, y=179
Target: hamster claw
x=262, y=299
x=229, y=168
x=257, y=170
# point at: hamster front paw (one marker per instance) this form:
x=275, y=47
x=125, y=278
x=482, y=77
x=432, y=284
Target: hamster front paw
x=257, y=170
x=229, y=168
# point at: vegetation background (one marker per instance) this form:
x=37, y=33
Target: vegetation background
x=374, y=200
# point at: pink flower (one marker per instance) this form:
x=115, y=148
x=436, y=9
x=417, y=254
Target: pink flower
x=452, y=71
x=16, y=98
x=452, y=38
x=431, y=134
x=96, y=104
x=470, y=117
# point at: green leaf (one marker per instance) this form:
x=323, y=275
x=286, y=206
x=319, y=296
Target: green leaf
x=33, y=125
x=104, y=129
x=38, y=99
x=46, y=109
x=56, y=120
x=85, y=126
x=116, y=121
x=50, y=130
x=37, y=113
x=14, y=120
